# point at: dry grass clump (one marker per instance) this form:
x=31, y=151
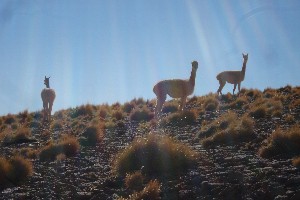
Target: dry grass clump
x=93, y=135
x=128, y=107
x=9, y=119
x=289, y=119
x=150, y=192
x=253, y=93
x=182, y=118
x=282, y=143
x=26, y=153
x=263, y=107
x=57, y=125
x=258, y=112
x=118, y=115
x=83, y=110
x=24, y=116
x=170, y=107
x=141, y=114
x=211, y=103
x=231, y=131
x=134, y=181
x=14, y=171
x=296, y=161
x=157, y=155
x=295, y=104
x=239, y=103
x=221, y=123
x=68, y=145
x=21, y=135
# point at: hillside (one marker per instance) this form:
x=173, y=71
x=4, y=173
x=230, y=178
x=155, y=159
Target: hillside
x=236, y=147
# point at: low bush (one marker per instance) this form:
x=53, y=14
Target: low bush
x=84, y=110
x=68, y=145
x=134, y=181
x=258, y=112
x=231, y=131
x=181, y=118
x=9, y=119
x=296, y=162
x=21, y=135
x=158, y=155
x=239, y=102
x=170, y=107
x=150, y=192
x=141, y=114
x=282, y=143
x=128, y=107
x=93, y=134
x=211, y=103
x=14, y=171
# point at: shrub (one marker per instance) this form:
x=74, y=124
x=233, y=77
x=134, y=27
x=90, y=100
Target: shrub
x=68, y=145
x=4, y=170
x=231, y=133
x=118, y=115
x=259, y=112
x=24, y=116
x=9, y=119
x=253, y=93
x=170, y=107
x=102, y=113
x=295, y=104
x=289, y=119
x=158, y=155
x=128, y=107
x=296, y=162
x=14, y=171
x=57, y=125
x=141, y=114
x=21, y=135
x=239, y=102
x=27, y=153
x=182, y=118
x=211, y=103
x=134, y=181
x=20, y=169
x=282, y=143
x=84, y=110
x=150, y=192
x=93, y=134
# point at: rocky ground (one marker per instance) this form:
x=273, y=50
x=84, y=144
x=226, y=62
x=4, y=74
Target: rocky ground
x=224, y=172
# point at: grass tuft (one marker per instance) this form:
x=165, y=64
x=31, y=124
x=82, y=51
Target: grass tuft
x=282, y=143
x=157, y=155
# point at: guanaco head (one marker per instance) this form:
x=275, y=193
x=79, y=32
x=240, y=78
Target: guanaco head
x=46, y=82
x=245, y=57
x=195, y=65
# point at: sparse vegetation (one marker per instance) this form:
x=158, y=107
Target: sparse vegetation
x=296, y=162
x=158, y=155
x=68, y=145
x=141, y=114
x=282, y=143
x=14, y=171
x=134, y=181
x=150, y=192
x=211, y=103
x=230, y=131
x=93, y=135
x=182, y=118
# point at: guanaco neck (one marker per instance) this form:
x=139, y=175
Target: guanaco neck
x=193, y=77
x=244, y=69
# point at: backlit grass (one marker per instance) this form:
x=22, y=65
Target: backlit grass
x=156, y=155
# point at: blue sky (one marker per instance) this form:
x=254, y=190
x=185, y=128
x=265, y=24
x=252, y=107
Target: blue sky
x=116, y=50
